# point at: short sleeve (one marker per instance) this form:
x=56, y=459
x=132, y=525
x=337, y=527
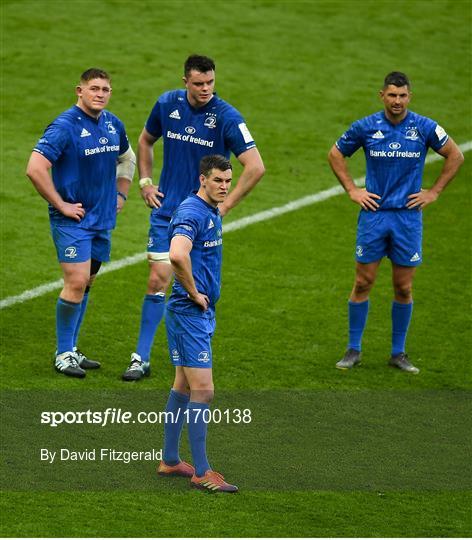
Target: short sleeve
x=183, y=226
x=437, y=137
x=124, y=142
x=350, y=141
x=52, y=143
x=153, y=124
x=237, y=136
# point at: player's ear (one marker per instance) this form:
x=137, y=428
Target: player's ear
x=78, y=90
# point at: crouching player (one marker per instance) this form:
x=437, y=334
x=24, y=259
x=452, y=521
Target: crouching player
x=195, y=236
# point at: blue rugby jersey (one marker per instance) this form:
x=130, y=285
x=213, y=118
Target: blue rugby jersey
x=395, y=154
x=84, y=152
x=188, y=135
x=201, y=223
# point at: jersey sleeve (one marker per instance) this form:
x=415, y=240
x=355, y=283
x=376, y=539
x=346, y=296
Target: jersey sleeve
x=182, y=225
x=153, y=124
x=437, y=136
x=124, y=142
x=52, y=143
x=350, y=141
x=238, y=136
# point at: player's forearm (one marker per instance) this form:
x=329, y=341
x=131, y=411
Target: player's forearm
x=182, y=266
x=246, y=182
x=122, y=185
x=43, y=184
x=145, y=158
x=452, y=164
x=338, y=165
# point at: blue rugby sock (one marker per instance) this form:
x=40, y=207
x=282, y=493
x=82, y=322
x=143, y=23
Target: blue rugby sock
x=176, y=404
x=83, y=309
x=357, y=319
x=67, y=315
x=154, y=306
x=401, y=317
x=197, y=432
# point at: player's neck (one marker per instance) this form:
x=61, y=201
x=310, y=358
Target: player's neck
x=202, y=194
x=89, y=112
x=195, y=104
x=395, y=119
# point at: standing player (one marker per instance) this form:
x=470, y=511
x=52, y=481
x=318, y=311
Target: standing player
x=395, y=143
x=92, y=166
x=193, y=123
x=195, y=253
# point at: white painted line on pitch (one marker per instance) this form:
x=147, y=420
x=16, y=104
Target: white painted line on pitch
x=232, y=226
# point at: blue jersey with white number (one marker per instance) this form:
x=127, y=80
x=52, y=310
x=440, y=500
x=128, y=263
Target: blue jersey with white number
x=188, y=135
x=201, y=223
x=395, y=154
x=84, y=152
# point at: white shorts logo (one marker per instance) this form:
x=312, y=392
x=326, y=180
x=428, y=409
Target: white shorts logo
x=70, y=252
x=204, y=357
x=150, y=242
x=359, y=251
x=175, y=355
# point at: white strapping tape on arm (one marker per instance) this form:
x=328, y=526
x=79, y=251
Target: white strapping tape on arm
x=126, y=165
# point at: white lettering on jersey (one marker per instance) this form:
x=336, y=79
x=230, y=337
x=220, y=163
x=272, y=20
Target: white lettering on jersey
x=245, y=133
x=394, y=154
x=100, y=149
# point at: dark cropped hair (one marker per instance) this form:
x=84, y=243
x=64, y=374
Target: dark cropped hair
x=397, y=78
x=198, y=63
x=94, y=73
x=215, y=161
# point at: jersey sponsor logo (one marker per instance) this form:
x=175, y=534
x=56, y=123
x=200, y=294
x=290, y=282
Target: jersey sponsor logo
x=189, y=138
x=395, y=145
x=210, y=121
x=101, y=149
x=70, y=252
x=411, y=134
x=190, y=129
x=111, y=128
x=102, y=140
x=175, y=114
x=394, y=154
x=85, y=133
x=211, y=224
x=213, y=243
x=440, y=132
x=204, y=357
x=359, y=251
x=378, y=135
x=415, y=258
x=245, y=133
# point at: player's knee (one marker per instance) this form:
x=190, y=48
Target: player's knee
x=363, y=284
x=403, y=291
x=156, y=285
x=203, y=395
x=77, y=284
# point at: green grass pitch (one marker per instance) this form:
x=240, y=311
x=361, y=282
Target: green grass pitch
x=369, y=453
